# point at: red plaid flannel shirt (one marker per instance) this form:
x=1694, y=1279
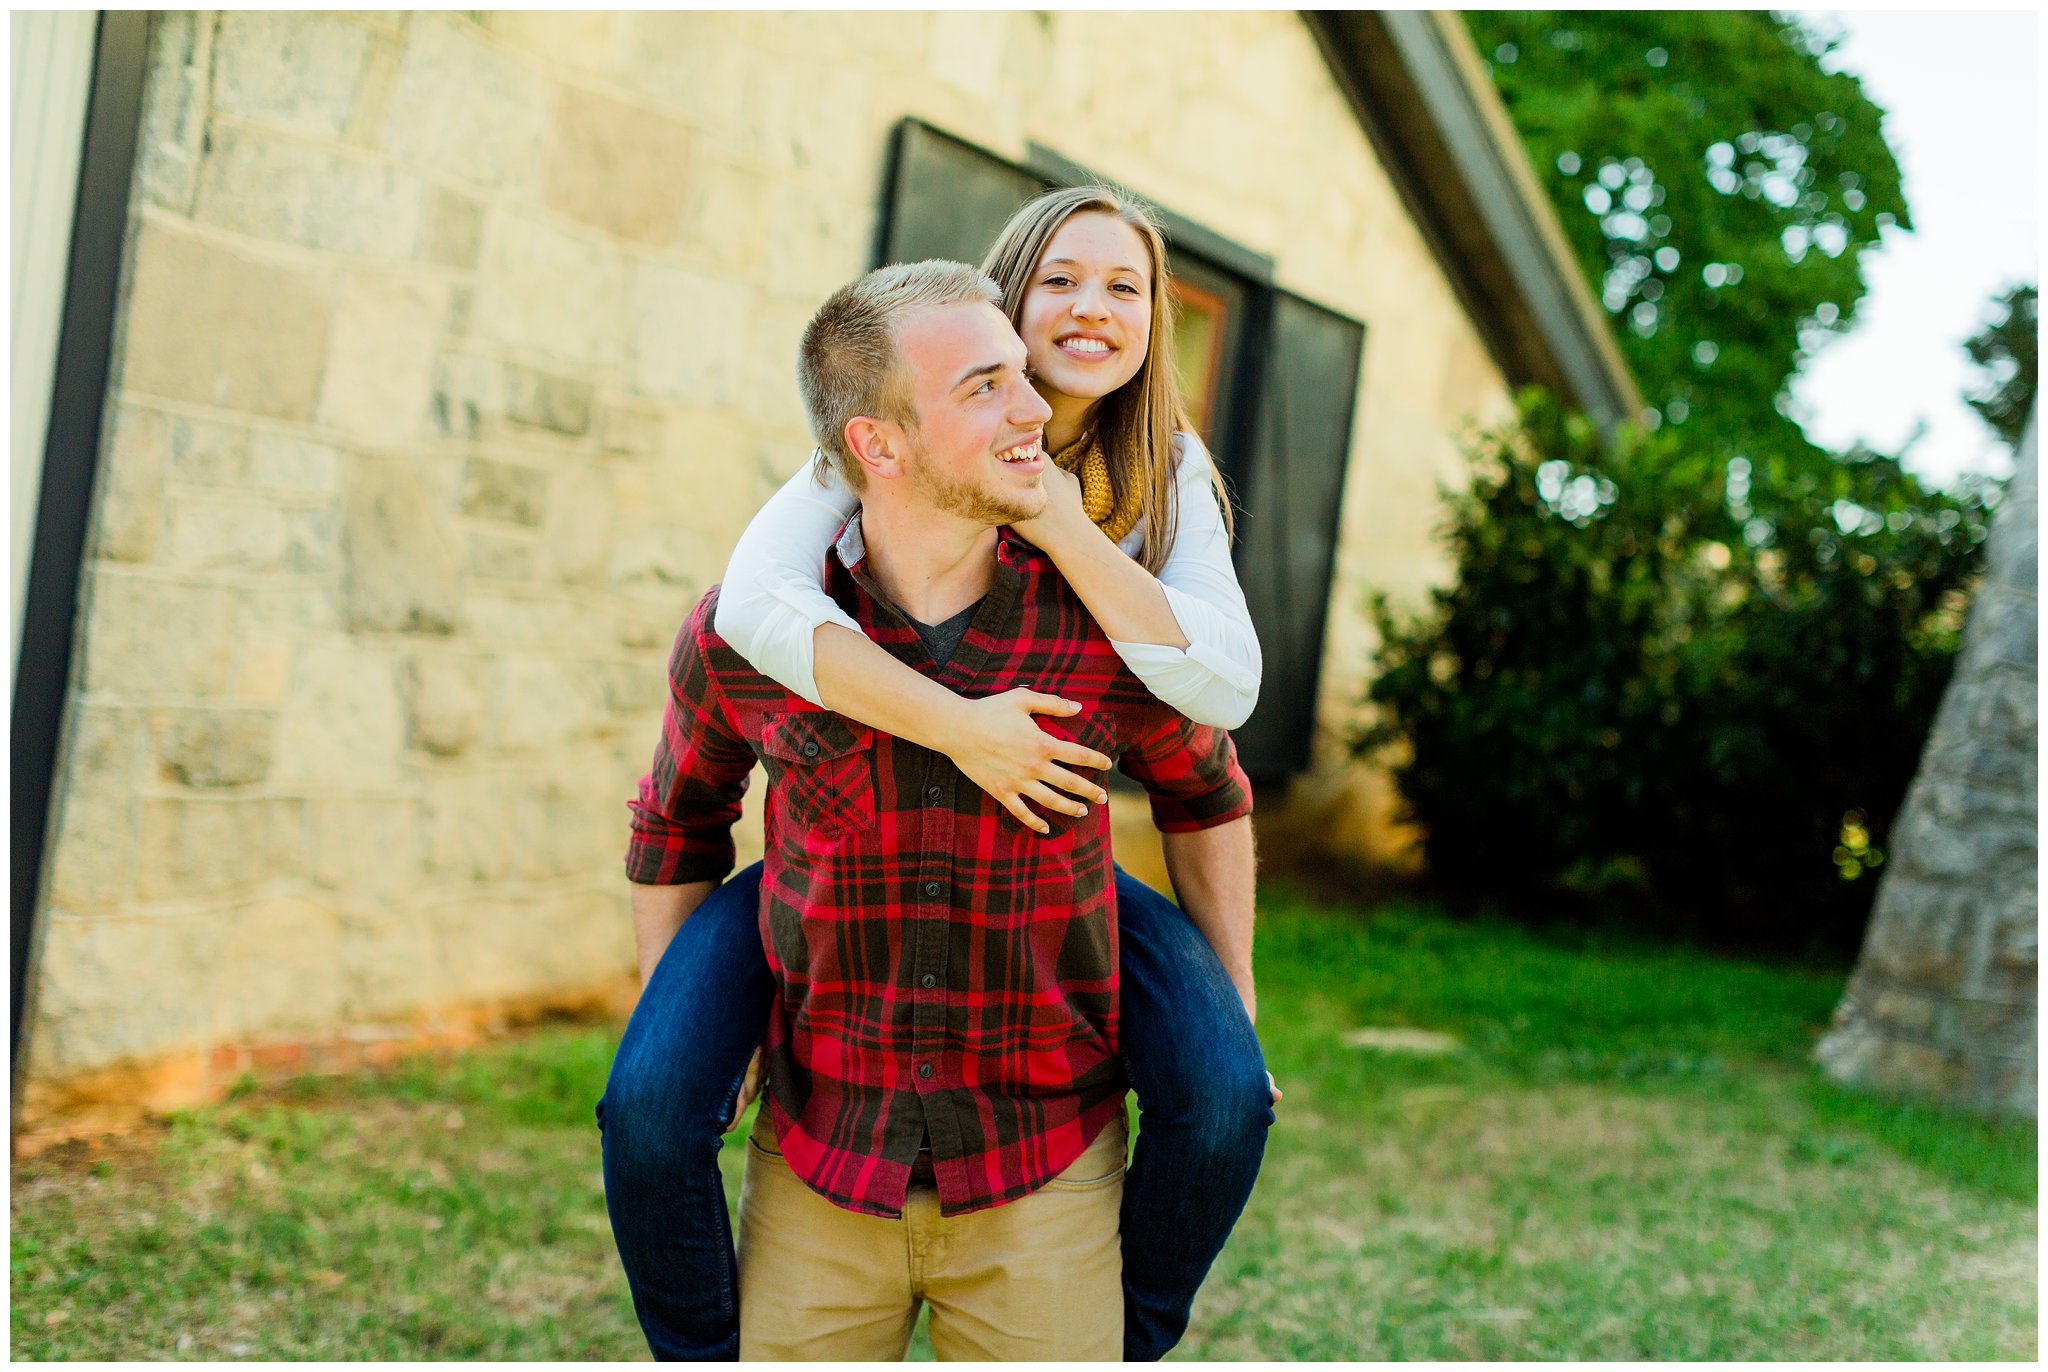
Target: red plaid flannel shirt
x=940, y=968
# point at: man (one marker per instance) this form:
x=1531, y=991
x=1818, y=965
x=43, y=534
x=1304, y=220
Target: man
x=943, y=1120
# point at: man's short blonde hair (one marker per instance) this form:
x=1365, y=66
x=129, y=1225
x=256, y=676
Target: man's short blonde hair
x=847, y=365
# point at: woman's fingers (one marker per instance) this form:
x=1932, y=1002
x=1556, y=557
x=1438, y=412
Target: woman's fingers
x=1039, y=703
x=1067, y=781
x=1053, y=800
x=1081, y=755
x=1023, y=814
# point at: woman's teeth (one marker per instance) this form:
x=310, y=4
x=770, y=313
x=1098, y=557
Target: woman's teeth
x=1093, y=346
x=1024, y=453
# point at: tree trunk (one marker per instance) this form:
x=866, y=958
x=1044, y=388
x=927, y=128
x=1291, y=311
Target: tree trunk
x=1944, y=998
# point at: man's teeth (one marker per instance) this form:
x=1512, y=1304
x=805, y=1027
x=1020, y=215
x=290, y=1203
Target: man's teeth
x=1023, y=454
x=1085, y=345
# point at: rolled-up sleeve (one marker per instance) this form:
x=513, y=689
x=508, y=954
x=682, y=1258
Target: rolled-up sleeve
x=688, y=801
x=1191, y=773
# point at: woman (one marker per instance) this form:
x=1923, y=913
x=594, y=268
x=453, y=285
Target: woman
x=1138, y=532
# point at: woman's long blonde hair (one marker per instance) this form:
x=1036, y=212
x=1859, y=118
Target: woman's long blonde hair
x=1135, y=422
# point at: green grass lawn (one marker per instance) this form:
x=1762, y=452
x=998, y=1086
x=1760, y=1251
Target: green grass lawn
x=1627, y=1157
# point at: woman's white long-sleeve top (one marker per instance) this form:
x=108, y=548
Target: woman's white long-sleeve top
x=773, y=596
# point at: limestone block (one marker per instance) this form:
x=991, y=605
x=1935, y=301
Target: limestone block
x=208, y=534
x=131, y=487
x=504, y=945
x=262, y=672
x=655, y=555
x=725, y=216
x=579, y=526
x=649, y=613
x=539, y=703
x=691, y=334
x=174, y=110
x=553, y=623
x=543, y=400
x=400, y=569
x=213, y=325
x=461, y=310
x=365, y=847
x=616, y=167
x=286, y=192
x=460, y=106
x=93, y=825
x=782, y=101
x=454, y=229
x=342, y=722
x=467, y=389
x=297, y=71
x=200, y=846
x=505, y=491
x=501, y=557
x=514, y=825
x=212, y=747
x=638, y=686
x=115, y=987
x=443, y=712
x=204, y=453
x=380, y=367
x=155, y=637
x=577, y=39
x=298, y=945
x=965, y=49
x=685, y=62
x=627, y=429
x=769, y=369
x=393, y=965
x=285, y=462
x=550, y=292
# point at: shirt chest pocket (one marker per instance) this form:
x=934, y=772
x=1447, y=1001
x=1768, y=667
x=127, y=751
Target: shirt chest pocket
x=1094, y=729
x=822, y=768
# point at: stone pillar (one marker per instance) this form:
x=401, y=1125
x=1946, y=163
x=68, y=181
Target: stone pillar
x=1944, y=997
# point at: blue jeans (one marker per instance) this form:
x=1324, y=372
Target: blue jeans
x=1187, y=1048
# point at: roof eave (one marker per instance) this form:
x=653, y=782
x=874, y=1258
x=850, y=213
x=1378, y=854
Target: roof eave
x=1422, y=94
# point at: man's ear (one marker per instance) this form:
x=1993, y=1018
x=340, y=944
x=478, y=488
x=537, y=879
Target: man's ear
x=878, y=445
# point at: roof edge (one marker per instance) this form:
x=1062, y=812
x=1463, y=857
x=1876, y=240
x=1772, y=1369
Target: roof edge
x=1421, y=92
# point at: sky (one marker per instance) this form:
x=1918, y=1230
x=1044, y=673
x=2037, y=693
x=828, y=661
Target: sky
x=1960, y=91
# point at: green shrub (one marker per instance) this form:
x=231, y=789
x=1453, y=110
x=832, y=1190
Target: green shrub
x=1702, y=686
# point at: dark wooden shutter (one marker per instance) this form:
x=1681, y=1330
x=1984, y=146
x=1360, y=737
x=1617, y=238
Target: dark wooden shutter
x=946, y=198
x=1291, y=484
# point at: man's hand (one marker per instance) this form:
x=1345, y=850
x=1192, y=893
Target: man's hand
x=998, y=745
x=750, y=1087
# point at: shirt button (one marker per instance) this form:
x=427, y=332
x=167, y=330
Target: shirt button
x=928, y=980
x=931, y=888
x=811, y=749
x=924, y=1069
x=935, y=794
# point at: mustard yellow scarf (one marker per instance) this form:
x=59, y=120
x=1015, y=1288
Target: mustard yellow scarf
x=1086, y=460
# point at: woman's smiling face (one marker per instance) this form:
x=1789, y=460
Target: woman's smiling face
x=1087, y=315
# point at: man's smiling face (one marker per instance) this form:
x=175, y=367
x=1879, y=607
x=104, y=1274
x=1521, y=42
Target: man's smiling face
x=977, y=446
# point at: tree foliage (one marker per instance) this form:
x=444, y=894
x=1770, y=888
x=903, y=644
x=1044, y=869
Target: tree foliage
x=1652, y=669
x=1718, y=187
x=2009, y=350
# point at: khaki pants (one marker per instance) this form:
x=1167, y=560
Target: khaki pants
x=1040, y=1278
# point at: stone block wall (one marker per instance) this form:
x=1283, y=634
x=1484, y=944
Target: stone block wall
x=1945, y=998
x=455, y=351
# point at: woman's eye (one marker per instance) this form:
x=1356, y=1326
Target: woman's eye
x=1057, y=281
